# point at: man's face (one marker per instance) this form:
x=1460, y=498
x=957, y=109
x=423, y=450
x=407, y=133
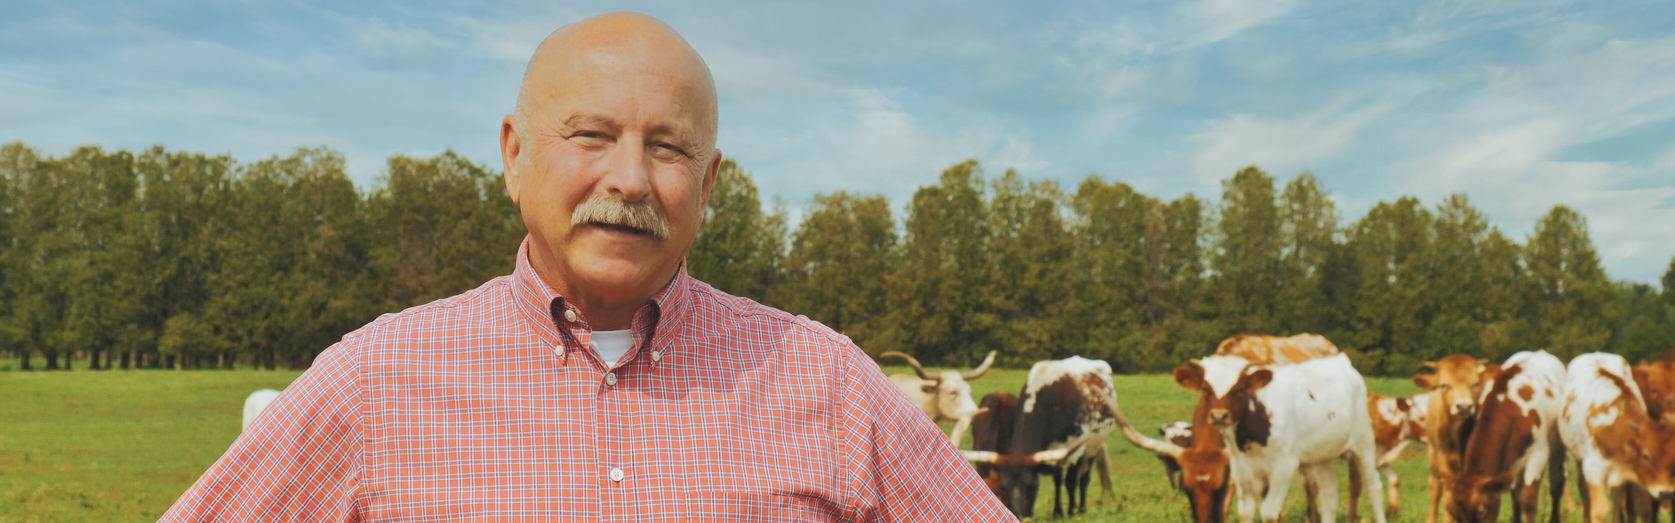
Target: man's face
x=624, y=128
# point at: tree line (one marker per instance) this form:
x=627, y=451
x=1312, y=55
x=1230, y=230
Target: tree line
x=183, y=260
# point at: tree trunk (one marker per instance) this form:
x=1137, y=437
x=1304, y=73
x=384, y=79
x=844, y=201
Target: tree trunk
x=125, y=356
x=52, y=359
x=168, y=362
x=270, y=355
x=93, y=359
x=25, y=354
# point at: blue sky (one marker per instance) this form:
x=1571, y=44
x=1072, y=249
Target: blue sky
x=1520, y=104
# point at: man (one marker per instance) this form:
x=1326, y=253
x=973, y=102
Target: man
x=597, y=382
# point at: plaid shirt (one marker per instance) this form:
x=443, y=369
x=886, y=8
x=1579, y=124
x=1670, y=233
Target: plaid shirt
x=490, y=406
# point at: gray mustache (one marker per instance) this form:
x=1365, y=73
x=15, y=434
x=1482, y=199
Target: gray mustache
x=640, y=215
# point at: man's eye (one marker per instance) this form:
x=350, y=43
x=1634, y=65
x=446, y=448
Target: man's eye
x=589, y=137
x=667, y=151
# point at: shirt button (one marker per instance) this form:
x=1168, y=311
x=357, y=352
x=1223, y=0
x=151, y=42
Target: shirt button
x=610, y=379
x=569, y=315
x=656, y=355
x=616, y=474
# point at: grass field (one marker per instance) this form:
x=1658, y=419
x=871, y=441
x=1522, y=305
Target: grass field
x=122, y=445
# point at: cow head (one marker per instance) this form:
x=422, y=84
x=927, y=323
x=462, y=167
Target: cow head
x=1202, y=460
x=1456, y=384
x=1227, y=388
x=1478, y=499
x=992, y=429
x=1657, y=384
x=1418, y=406
x=949, y=388
x=1017, y=479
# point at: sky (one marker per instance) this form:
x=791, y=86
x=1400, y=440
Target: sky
x=1520, y=104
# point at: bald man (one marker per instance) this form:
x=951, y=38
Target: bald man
x=598, y=381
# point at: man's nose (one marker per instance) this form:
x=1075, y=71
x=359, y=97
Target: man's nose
x=629, y=172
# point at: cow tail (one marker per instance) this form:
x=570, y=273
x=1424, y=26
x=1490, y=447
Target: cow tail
x=1101, y=464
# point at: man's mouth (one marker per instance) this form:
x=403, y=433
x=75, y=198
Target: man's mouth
x=620, y=228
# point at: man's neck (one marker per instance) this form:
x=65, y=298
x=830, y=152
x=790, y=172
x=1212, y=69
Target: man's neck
x=603, y=310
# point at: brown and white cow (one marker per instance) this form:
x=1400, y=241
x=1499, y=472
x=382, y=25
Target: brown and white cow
x=1059, y=427
x=1607, y=428
x=1656, y=381
x=1262, y=349
x=944, y=396
x=1454, y=387
x=1274, y=422
x=1396, y=423
x=1514, y=440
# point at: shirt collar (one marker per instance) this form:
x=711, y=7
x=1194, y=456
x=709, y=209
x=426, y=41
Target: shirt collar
x=541, y=307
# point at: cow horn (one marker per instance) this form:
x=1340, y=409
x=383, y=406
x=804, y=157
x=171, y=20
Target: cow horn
x=1049, y=456
x=980, y=456
x=913, y=363
x=1162, y=448
x=978, y=372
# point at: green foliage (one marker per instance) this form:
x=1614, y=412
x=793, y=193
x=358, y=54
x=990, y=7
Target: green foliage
x=739, y=248
x=182, y=260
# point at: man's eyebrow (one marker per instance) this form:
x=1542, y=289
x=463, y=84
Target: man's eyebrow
x=578, y=120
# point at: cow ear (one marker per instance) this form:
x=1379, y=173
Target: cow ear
x=929, y=388
x=1425, y=381
x=1489, y=373
x=1189, y=378
x=1401, y=404
x=1430, y=365
x=1260, y=378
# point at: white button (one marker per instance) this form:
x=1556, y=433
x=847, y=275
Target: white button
x=610, y=379
x=616, y=474
x=569, y=315
x=656, y=355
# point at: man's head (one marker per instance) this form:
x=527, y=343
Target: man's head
x=610, y=154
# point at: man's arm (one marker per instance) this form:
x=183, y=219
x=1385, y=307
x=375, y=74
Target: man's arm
x=901, y=466
x=300, y=461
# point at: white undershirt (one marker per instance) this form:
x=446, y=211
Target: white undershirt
x=611, y=345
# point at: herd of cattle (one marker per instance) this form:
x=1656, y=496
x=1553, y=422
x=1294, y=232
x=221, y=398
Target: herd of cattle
x=1271, y=408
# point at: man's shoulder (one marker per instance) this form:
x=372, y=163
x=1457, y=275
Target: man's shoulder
x=481, y=310
x=714, y=307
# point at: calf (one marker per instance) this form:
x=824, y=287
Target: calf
x=1396, y=422
x=1616, y=442
x=1060, y=424
x=254, y=405
x=945, y=396
x=1453, y=389
x=1514, y=440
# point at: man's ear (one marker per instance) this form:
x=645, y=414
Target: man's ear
x=511, y=146
x=710, y=173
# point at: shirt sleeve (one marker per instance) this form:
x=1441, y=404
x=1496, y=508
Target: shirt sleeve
x=901, y=466
x=301, y=460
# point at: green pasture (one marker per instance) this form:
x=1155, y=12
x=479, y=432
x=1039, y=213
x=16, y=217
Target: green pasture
x=122, y=445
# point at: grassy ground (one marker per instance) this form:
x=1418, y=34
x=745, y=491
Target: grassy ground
x=122, y=445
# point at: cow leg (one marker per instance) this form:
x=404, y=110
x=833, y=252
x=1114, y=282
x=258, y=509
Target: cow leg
x=1311, y=500
x=1393, y=491
x=1102, y=464
x=1087, y=477
x=1435, y=486
x=1600, y=502
x=1355, y=486
x=1279, y=480
x=1326, y=483
x=1247, y=504
x=1555, y=474
x=1368, y=470
x=1058, y=484
x=960, y=427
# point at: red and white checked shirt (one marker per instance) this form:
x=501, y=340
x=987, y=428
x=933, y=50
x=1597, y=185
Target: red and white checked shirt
x=489, y=406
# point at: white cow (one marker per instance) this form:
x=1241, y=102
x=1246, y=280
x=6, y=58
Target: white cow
x=1283, y=419
x=945, y=396
x=255, y=404
x=1608, y=431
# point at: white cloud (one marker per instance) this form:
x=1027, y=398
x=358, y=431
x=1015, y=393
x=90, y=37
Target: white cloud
x=1278, y=145
x=1222, y=19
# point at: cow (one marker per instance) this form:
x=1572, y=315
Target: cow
x=1059, y=425
x=1273, y=421
x=1616, y=442
x=1514, y=440
x=944, y=396
x=1262, y=349
x=1396, y=423
x=991, y=430
x=1656, y=381
x=255, y=404
x=1454, y=387
x=1179, y=433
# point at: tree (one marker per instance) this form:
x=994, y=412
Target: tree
x=443, y=226
x=1030, y=276
x=739, y=248
x=1308, y=234
x=185, y=211
x=1247, y=253
x=836, y=273
x=1569, y=299
x=1391, y=278
x=937, y=306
